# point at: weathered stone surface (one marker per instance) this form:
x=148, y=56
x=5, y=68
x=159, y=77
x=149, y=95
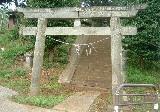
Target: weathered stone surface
x=80, y=102
x=6, y=92
x=77, y=12
x=116, y=52
x=38, y=56
x=79, y=31
x=9, y=106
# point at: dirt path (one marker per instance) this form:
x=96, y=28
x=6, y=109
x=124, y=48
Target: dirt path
x=94, y=71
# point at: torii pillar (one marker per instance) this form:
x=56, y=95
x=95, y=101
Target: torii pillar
x=116, y=52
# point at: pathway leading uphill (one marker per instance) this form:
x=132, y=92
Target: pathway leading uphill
x=94, y=70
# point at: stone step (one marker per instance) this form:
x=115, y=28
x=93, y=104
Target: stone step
x=79, y=102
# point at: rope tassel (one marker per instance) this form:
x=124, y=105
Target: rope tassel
x=89, y=48
x=78, y=47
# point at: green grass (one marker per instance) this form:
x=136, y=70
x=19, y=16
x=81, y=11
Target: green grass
x=137, y=75
x=14, y=47
x=9, y=73
x=6, y=73
x=41, y=101
x=21, y=85
x=20, y=72
x=52, y=93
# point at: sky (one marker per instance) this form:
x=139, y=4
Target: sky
x=12, y=5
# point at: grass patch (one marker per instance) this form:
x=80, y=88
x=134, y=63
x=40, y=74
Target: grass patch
x=20, y=85
x=9, y=73
x=41, y=101
x=14, y=47
x=20, y=72
x=6, y=73
x=137, y=75
x=52, y=93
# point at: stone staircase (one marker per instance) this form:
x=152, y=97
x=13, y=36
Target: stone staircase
x=94, y=71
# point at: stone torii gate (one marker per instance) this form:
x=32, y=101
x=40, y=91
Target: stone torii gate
x=116, y=31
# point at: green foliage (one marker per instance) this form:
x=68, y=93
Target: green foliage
x=14, y=52
x=14, y=47
x=9, y=73
x=128, y=2
x=52, y=3
x=88, y=3
x=6, y=73
x=58, y=56
x=63, y=54
x=144, y=47
x=20, y=72
x=9, y=56
x=41, y=101
x=3, y=18
x=14, y=34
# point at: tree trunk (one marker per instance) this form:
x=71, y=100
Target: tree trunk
x=38, y=57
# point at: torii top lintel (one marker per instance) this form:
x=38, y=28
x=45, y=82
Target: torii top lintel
x=76, y=12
